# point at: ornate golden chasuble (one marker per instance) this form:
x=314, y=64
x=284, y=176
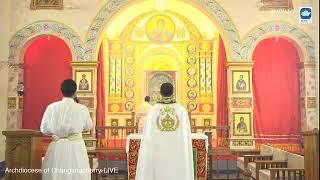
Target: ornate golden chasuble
x=167, y=119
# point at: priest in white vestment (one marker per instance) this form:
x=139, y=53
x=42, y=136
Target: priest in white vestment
x=64, y=121
x=142, y=113
x=166, y=146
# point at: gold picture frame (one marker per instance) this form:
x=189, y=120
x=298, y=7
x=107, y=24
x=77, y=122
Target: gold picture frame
x=46, y=4
x=241, y=82
x=84, y=79
x=129, y=122
x=276, y=4
x=206, y=122
x=242, y=124
x=114, y=123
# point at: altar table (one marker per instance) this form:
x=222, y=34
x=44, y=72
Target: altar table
x=199, y=142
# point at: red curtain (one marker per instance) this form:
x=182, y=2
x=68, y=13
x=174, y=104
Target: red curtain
x=276, y=91
x=222, y=92
x=101, y=92
x=46, y=65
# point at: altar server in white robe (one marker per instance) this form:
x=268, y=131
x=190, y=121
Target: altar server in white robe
x=166, y=146
x=64, y=121
x=142, y=113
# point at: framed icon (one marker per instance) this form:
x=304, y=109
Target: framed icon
x=276, y=4
x=114, y=123
x=45, y=4
x=160, y=28
x=242, y=124
x=129, y=122
x=206, y=122
x=241, y=82
x=84, y=79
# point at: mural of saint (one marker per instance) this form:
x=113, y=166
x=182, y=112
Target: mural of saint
x=160, y=28
x=241, y=84
x=242, y=126
x=84, y=84
x=160, y=33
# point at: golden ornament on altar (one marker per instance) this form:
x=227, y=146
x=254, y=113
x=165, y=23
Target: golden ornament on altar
x=206, y=108
x=115, y=108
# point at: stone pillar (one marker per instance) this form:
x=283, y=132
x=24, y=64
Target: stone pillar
x=85, y=75
x=15, y=102
x=240, y=105
x=308, y=96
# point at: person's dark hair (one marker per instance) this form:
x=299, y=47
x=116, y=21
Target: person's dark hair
x=147, y=99
x=68, y=87
x=166, y=89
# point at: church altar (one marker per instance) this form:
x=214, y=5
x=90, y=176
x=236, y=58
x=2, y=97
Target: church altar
x=199, y=142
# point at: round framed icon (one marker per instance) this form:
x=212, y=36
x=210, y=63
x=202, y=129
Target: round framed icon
x=191, y=71
x=129, y=106
x=191, y=60
x=129, y=83
x=191, y=48
x=130, y=71
x=192, y=83
x=129, y=94
x=130, y=60
x=192, y=94
x=192, y=106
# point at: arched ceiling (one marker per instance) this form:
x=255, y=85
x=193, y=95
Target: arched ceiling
x=194, y=15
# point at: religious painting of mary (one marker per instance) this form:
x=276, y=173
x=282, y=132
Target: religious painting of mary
x=242, y=124
x=241, y=81
x=160, y=28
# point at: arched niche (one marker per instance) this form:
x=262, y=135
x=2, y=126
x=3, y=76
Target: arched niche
x=211, y=9
x=17, y=46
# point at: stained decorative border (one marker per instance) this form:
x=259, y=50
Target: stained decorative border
x=241, y=102
x=46, y=28
x=242, y=142
x=274, y=29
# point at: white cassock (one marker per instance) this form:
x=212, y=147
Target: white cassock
x=66, y=157
x=166, y=146
x=142, y=113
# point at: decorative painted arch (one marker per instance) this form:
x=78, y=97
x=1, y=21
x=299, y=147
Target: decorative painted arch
x=192, y=29
x=281, y=29
x=213, y=8
x=18, y=41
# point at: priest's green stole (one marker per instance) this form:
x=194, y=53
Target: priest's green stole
x=194, y=150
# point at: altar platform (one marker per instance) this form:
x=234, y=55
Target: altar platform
x=199, y=143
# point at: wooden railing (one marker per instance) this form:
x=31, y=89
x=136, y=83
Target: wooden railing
x=220, y=136
x=115, y=136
